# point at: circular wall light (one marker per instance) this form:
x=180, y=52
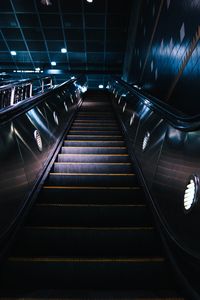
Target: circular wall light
x=38, y=140
x=65, y=106
x=120, y=98
x=55, y=118
x=145, y=140
x=191, y=192
x=132, y=119
x=124, y=107
x=71, y=97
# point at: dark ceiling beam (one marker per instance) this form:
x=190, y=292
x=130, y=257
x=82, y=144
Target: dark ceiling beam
x=130, y=46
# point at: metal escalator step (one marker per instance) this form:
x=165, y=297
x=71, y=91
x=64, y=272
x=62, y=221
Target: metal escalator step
x=96, y=119
x=92, y=128
x=98, y=122
x=94, y=123
x=92, y=167
x=110, y=242
x=89, y=215
x=82, y=273
x=91, y=195
x=93, y=179
x=95, y=132
x=96, y=137
x=92, y=143
x=93, y=150
x=93, y=158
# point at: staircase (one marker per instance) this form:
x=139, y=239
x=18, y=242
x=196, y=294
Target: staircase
x=90, y=234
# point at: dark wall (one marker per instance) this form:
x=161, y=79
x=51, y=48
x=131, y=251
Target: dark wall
x=166, y=60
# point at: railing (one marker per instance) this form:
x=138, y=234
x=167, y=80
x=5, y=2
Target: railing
x=13, y=93
x=166, y=146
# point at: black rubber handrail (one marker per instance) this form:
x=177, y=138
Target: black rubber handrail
x=174, y=117
x=11, y=112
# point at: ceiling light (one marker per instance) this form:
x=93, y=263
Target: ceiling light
x=89, y=1
x=53, y=63
x=37, y=69
x=101, y=86
x=63, y=50
x=13, y=52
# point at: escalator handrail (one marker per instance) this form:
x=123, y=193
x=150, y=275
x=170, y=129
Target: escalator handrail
x=11, y=112
x=176, y=118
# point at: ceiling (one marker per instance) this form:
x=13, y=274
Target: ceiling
x=94, y=35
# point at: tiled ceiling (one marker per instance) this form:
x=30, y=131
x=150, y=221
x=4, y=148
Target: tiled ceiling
x=94, y=35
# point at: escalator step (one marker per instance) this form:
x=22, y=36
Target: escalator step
x=82, y=273
x=96, y=158
x=94, y=137
x=93, y=150
x=87, y=242
x=93, y=143
x=92, y=167
x=91, y=195
x=106, y=215
x=95, y=132
x=95, y=124
x=91, y=179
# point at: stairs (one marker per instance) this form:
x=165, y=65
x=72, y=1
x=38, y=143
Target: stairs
x=90, y=234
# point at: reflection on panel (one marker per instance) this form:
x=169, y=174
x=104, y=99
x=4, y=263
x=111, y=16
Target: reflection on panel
x=26, y=145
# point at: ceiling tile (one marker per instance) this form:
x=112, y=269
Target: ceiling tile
x=7, y=20
x=77, y=46
x=95, y=21
x=12, y=34
x=74, y=34
x=95, y=34
x=28, y=20
x=33, y=34
x=72, y=21
x=53, y=34
x=50, y=20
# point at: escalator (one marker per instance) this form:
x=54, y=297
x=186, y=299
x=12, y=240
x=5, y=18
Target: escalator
x=90, y=233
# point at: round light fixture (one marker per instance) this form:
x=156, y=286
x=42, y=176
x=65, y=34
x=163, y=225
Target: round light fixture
x=145, y=140
x=55, y=118
x=63, y=50
x=124, y=107
x=13, y=53
x=38, y=140
x=132, y=119
x=191, y=193
x=65, y=106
